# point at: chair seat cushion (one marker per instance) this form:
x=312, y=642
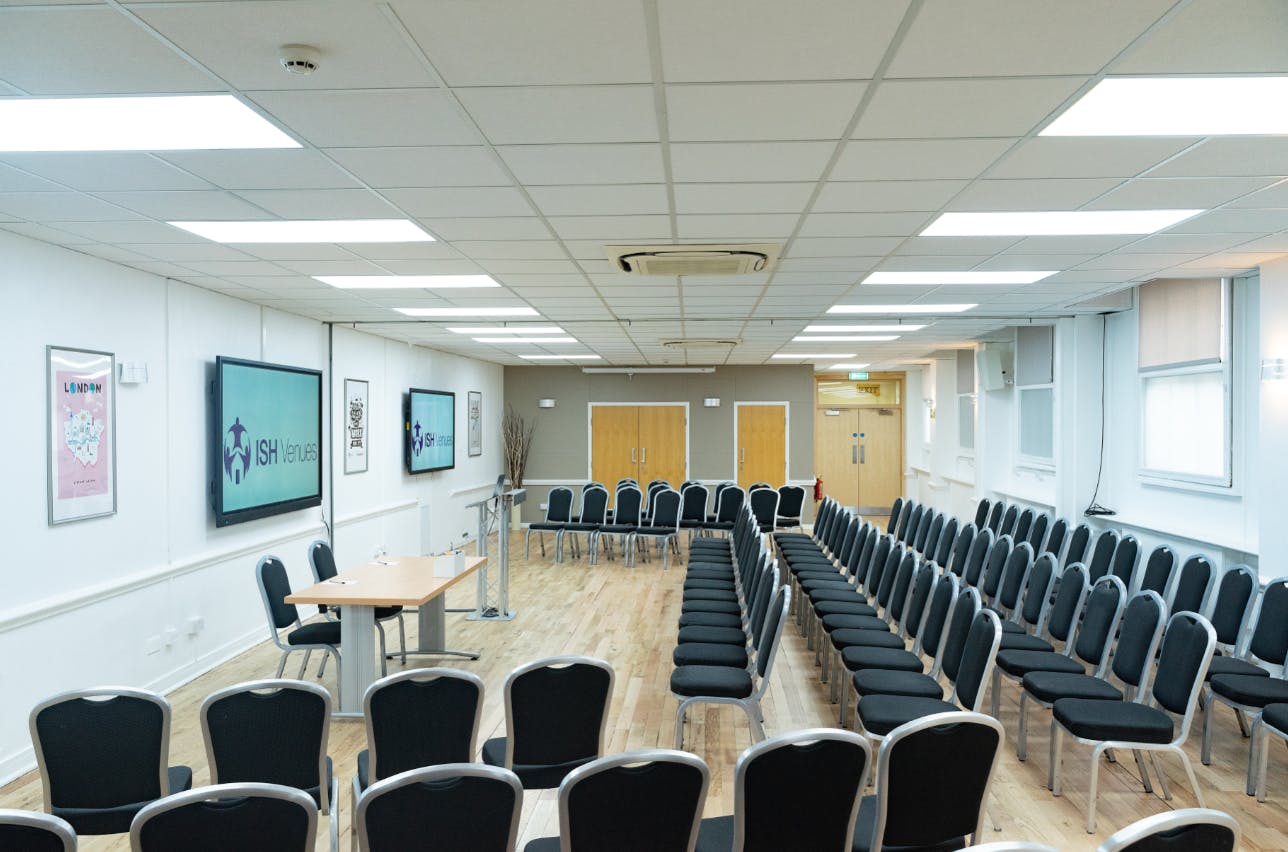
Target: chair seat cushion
x=729, y=607
x=1234, y=666
x=542, y=844
x=724, y=575
x=1013, y=628
x=866, y=823
x=710, y=595
x=724, y=585
x=858, y=658
x=1020, y=663
x=1049, y=687
x=811, y=582
x=691, y=523
x=546, y=526
x=892, y=682
x=617, y=529
x=1023, y=642
x=116, y=820
x=709, y=654
x=716, y=681
x=718, y=635
x=715, y=834
x=881, y=714
x=1113, y=720
x=1276, y=716
x=854, y=621
x=581, y=528
x=836, y=592
x=710, y=619
x=534, y=776
x=718, y=525
x=710, y=563
x=848, y=607
x=1250, y=689
x=860, y=638
x=317, y=633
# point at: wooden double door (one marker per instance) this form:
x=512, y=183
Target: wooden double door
x=642, y=442
x=858, y=455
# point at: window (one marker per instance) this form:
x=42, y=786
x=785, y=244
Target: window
x=966, y=399
x=1185, y=380
x=1037, y=423
x=1035, y=380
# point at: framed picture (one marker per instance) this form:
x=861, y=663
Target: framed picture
x=475, y=427
x=357, y=429
x=81, y=406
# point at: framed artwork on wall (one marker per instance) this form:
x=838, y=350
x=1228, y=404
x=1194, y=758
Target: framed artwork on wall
x=475, y=426
x=357, y=428
x=81, y=408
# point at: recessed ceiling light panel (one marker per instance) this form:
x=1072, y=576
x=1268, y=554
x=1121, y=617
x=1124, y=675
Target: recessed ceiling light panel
x=850, y=366
x=560, y=357
x=525, y=340
x=1055, y=223
x=506, y=329
x=963, y=277
x=1177, y=106
x=310, y=231
x=403, y=282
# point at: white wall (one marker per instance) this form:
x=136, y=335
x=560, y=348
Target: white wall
x=89, y=603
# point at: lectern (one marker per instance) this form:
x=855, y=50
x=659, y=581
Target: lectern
x=494, y=591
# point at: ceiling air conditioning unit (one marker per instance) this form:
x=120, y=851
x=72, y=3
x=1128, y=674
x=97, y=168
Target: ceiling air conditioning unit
x=701, y=343
x=714, y=259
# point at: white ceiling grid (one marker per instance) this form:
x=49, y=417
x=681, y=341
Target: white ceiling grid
x=524, y=137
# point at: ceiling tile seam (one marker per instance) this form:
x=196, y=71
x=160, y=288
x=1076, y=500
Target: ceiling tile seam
x=395, y=21
x=869, y=91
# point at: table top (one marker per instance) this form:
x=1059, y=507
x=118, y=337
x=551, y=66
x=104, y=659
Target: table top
x=393, y=581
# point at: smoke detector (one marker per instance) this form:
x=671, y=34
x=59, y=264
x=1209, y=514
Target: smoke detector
x=727, y=259
x=301, y=59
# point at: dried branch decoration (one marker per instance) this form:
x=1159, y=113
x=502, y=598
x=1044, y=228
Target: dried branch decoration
x=516, y=441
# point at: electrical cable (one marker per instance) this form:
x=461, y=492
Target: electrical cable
x=1093, y=508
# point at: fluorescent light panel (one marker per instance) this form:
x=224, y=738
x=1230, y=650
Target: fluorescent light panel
x=998, y=277
x=899, y=309
x=812, y=356
x=310, y=231
x=162, y=123
x=1055, y=223
x=506, y=329
x=525, y=340
x=846, y=338
x=560, y=357
x=400, y=282
x=828, y=329
x=467, y=312
x=1177, y=106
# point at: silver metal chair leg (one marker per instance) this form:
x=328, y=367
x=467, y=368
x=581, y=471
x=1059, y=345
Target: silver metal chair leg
x=384, y=661
x=1053, y=766
x=1205, y=752
x=1144, y=773
x=322, y=666
x=996, y=698
x=281, y=663
x=304, y=665
x=1194, y=781
x=402, y=638
x=1243, y=722
x=1162, y=776
x=1022, y=735
x=1263, y=757
x=1094, y=771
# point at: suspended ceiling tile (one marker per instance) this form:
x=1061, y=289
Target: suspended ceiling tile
x=1181, y=193
x=1227, y=221
x=625, y=229
x=917, y=159
x=97, y=171
x=703, y=162
x=61, y=207
x=487, y=228
x=701, y=198
x=828, y=264
x=615, y=200
x=864, y=224
x=962, y=246
x=560, y=114
x=1230, y=157
x=511, y=249
x=760, y=111
x=431, y=165
x=1212, y=36
x=461, y=201
x=183, y=205
x=1039, y=194
x=372, y=117
x=261, y=169
x=573, y=164
x=927, y=263
x=906, y=109
x=886, y=195
x=549, y=267
x=1087, y=157
x=812, y=247
x=737, y=227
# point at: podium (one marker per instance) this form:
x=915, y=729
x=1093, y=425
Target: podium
x=494, y=590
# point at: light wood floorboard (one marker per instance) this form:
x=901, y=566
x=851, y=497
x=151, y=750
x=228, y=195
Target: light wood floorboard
x=628, y=617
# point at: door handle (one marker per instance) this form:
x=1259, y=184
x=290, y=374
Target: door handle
x=854, y=453
x=863, y=453
x=643, y=455
x=742, y=459
x=632, y=455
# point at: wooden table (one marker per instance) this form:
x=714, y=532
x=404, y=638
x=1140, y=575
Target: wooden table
x=393, y=581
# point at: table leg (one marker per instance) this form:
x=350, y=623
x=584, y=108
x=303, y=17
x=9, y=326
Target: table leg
x=433, y=632
x=357, y=656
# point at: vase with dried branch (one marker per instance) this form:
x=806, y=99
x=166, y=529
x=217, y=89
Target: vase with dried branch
x=516, y=443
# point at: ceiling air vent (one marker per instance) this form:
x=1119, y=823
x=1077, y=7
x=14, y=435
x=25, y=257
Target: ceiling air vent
x=740, y=259
x=701, y=343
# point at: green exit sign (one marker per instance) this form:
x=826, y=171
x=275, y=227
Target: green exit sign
x=858, y=377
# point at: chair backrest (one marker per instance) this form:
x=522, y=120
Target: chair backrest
x=693, y=500
x=559, y=502
x=931, y=543
x=995, y=517
x=902, y=584
x=1142, y=630
x=322, y=561
x=1233, y=606
x=1159, y=566
x=800, y=790
x=628, y=505
x=1189, y=590
x=34, y=832
x=890, y=576
x=791, y=502
x=961, y=547
x=932, y=627
x=456, y=806
x=978, y=656
x=103, y=747
x=975, y=558
x=944, y=547
x=994, y=566
x=981, y=512
x=899, y=526
x=762, y=596
x=923, y=530
x=274, y=586
x=896, y=508
x=1188, y=643
x=594, y=505
x=876, y=565
x=909, y=530
x=1056, y=537
x=1009, y=519
x=764, y=505
x=1038, y=532
x=1078, y=542
x=1126, y=558
x=914, y=611
x=1068, y=603
x=959, y=623
x=771, y=634
x=1023, y=524
x=556, y=710
x=666, y=510
x=1269, y=641
x=269, y=731
x=1100, y=616
x=228, y=816
x=756, y=485
x=654, y=487
x=649, y=799
x=1018, y=565
x=933, y=779
x=1037, y=591
x=1174, y=831
x=1102, y=554
x=422, y=717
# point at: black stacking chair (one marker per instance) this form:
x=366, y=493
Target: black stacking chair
x=693, y=508
x=982, y=512
x=1029, y=617
x=899, y=525
x=1005, y=600
x=1249, y=693
x=944, y=544
x=1062, y=615
x=715, y=500
x=1009, y=519
x=626, y=520
x=973, y=565
x=228, y=816
x=955, y=560
x=753, y=486
x=1188, y=643
x=273, y=732
x=933, y=781
x=27, y=831
x=1056, y=536
x=1142, y=630
x=651, y=492
x=324, y=636
x=665, y=527
x=995, y=516
x=791, y=506
x=1189, y=589
x=556, y=710
x=994, y=567
x=640, y=801
x=594, y=514
x=1160, y=565
x=908, y=530
x=1023, y=526
x=764, y=505
x=1273, y=719
x=1038, y=532
x=1079, y=541
x=798, y=790
x=1199, y=829
x=322, y=561
x=418, y=718
x=922, y=532
x=1102, y=555
x=463, y=807
x=941, y=526
x=102, y=755
x=558, y=513
x=726, y=685
x=1231, y=612
x=1126, y=558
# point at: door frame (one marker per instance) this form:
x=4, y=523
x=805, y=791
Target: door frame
x=884, y=375
x=787, y=434
x=590, y=431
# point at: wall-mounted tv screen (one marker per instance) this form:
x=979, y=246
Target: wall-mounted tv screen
x=268, y=440
x=431, y=430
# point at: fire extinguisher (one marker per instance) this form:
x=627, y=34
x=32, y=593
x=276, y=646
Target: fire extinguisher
x=818, y=488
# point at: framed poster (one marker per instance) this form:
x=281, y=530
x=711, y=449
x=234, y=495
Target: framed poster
x=475, y=426
x=357, y=430
x=81, y=406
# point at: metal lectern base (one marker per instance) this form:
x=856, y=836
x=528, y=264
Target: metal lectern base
x=492, y=614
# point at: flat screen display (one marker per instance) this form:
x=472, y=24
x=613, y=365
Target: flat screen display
x=431, y=430
x=268, y=440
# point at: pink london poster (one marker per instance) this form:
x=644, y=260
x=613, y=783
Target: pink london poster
x=81, y=435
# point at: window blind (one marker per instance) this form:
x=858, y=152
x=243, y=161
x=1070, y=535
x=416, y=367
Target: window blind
x=1181, y=322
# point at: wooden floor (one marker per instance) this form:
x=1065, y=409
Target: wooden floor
x=628, y=616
